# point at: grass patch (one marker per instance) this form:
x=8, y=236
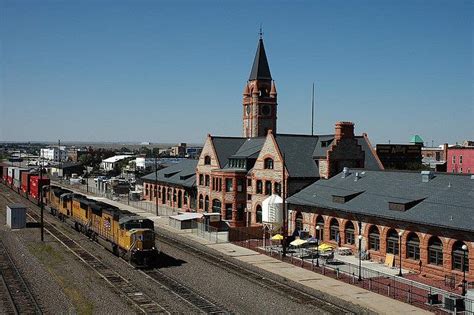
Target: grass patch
x=54, y=262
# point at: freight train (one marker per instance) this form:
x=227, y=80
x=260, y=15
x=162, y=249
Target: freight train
x=127, y=235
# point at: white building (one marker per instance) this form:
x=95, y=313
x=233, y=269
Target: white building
x=110, y=163
x=54, y=154
x=142, y=163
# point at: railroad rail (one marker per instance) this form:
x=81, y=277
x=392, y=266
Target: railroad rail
x=183, y=292
x=296, y=294
x=186, y=294
x=16, y=296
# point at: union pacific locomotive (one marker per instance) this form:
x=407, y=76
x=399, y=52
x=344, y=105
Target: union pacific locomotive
x=127, y=235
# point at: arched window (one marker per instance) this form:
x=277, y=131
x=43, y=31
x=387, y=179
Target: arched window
x=201, y=202
x=180, y=199
x=460, y=257
x=216, y=205
x=435, y=251
x=299, y=221
x=374, y=238
x=163, y=195
x=207, y=160
x=259, y=214
x=349, y=233
x=334, y=230
x=320, y=223
x=207, y=180
x=413, y=246
x=392, y=242
x=169, y=194
x=201, y=179
x=206, y=204
x=268, y=163
x=259, y=187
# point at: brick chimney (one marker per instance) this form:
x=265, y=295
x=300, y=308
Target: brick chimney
x=344, y=130
x=445, y=151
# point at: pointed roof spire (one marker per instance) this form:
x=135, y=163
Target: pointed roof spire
x=260, y=68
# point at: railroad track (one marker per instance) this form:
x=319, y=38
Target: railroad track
x=15, y=295
x=298, y=295
x=186, y=294
x=145, y=304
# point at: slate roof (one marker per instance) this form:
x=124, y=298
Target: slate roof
x=447, y=199
x=250, y=148
x=301, y=150
x=225, y=147
x=260, y=68
x=182, y=173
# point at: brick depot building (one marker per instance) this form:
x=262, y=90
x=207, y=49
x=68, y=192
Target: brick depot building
x=235, y=174
x=460, y=159
x=432, y=215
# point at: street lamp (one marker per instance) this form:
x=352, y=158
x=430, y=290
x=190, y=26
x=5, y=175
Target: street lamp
x=360, y=257
x=464, y=249
x=400, y=252
x=318, y=232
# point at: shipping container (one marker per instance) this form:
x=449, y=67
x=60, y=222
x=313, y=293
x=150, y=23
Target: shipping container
x=17, y=177
x=16, y=216
x=25, y=181
x=35, y=182
x=5, y=173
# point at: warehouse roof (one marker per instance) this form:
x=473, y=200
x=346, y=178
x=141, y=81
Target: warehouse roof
x=446, y=200
x=182, y=173
x=116, y=158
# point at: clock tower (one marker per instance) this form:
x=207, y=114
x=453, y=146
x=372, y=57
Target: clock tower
x=259, y=98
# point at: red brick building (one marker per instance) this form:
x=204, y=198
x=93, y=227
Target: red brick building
x=460, y=159
x=431, y=214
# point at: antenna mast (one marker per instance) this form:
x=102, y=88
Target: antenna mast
x=312, y=112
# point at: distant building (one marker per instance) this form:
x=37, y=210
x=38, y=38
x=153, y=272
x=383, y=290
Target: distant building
x=400, y=156
x=193, y=152
x=67, y=169
x=54, y=153
x=435, y=157
x=110, y=163
x=73, y=154
x=460, y=159
x=178, y=150
x=143, y=163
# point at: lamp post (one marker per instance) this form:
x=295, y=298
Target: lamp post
x=400, y=252
x=464, y=249
x=360, y=257
x=318, y=232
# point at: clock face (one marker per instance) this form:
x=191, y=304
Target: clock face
x=266, y=110
x=247, y=108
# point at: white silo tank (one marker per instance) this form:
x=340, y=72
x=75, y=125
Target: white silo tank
x=272, y=210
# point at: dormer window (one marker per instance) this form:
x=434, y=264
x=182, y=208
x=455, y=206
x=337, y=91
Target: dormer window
x=268, y=163
x=207, y=160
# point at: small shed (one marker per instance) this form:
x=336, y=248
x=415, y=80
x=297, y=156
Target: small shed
x=185, y=220
x=16, y=216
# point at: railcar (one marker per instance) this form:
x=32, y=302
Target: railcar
x=127, y=235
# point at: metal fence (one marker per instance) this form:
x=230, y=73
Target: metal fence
x=421, y=295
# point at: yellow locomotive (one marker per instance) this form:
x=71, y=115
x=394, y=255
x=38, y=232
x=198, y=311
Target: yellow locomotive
x=127, y=235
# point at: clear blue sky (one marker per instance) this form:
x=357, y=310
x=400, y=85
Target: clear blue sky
x=169, y=71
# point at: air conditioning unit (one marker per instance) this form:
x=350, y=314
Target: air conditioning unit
x=453, y=303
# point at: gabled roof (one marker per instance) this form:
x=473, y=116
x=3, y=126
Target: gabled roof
x=447, y=200
x=260, y=68
x=226, y=147
x=298, y=153
x=250, y=148
x=183, y=173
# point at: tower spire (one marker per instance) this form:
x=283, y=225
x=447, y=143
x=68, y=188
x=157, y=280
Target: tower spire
x=260, y=68
x=260, y=33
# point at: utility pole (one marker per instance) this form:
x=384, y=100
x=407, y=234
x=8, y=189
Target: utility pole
x=156, y=185
x=312, y=112
x=283, y=195
x=59, y=157
x=40, y=189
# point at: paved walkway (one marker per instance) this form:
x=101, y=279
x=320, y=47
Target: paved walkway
x=367, y=299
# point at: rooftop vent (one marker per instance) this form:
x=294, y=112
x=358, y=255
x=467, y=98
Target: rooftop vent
x=343, y=198
x=357, y=176
x=472, y=177
x=426, y=176
x=403, y=205
x=345, y=172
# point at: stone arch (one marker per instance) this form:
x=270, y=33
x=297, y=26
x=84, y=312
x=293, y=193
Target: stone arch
x=258, y=213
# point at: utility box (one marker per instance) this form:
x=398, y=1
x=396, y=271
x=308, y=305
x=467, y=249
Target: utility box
x=16, y=216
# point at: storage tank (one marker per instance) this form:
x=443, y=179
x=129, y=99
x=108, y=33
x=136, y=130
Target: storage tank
x=272, y=210
x=16, y=216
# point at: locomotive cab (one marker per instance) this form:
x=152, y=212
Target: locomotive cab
x=140, y=239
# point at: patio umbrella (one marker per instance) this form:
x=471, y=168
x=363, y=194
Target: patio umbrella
x=312, y=240
x=277, y=237
x=298, y=242
x=324, y=247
